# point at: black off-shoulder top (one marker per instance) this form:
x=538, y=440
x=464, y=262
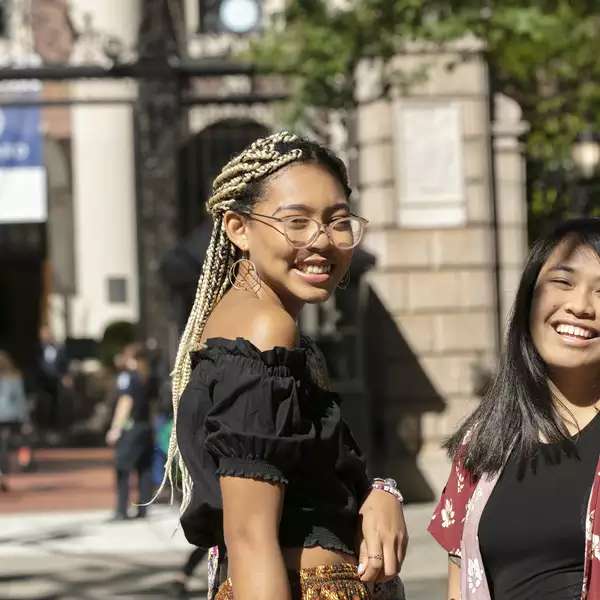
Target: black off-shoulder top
x=249, y=413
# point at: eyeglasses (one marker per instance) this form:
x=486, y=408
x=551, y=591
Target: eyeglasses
x=301, y=232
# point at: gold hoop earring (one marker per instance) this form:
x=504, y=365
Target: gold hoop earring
x=243, y=276
x=344, y=281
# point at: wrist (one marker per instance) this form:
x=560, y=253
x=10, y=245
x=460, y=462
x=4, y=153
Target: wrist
x=389, y=486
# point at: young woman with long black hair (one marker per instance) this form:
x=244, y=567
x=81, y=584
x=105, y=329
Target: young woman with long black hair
x=271, y=474
x=517, y=516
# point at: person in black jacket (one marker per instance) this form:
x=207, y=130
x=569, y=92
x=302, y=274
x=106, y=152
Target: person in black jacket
x=131, y=432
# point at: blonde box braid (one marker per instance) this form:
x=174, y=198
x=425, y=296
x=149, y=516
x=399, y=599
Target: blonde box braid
x=256, y=162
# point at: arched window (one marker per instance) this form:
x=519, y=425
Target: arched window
x=202, y=158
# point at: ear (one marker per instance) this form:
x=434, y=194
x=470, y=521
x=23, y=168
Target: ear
x=236, y=227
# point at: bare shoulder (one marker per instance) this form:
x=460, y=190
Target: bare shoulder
x=265, y=325
x=269, y=326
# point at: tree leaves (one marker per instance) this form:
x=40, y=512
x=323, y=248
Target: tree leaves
x=542, y=53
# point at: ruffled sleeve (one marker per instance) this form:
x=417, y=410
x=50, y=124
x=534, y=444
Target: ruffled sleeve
x=255, y=426
x=448, y=519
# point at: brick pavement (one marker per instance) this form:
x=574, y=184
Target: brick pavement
x=64, y=479
x=55, y=542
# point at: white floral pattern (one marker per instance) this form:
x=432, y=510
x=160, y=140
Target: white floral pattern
x=448, y=514
x=460, y=480
x=474, y=574
x=460, y=509
x=596, y=546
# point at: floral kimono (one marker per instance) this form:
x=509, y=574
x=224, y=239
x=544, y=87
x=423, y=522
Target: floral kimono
x=455, y=523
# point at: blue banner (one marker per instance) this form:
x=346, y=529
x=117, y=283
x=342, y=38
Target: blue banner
x=22, y=174
x=20, y=137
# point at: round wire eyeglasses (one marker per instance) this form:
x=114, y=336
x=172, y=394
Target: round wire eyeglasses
x=301, y=232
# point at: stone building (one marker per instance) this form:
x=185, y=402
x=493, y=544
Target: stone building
x=438, y=173
x=87, y=259
x=441, y=179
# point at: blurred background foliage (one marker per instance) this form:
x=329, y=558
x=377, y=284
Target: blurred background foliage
x=543, y=54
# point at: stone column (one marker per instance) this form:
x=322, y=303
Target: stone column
x=425, y=181
x=158, y=125
x=104, y=195
x=511, y=201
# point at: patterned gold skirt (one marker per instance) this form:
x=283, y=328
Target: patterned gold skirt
x=327, y=582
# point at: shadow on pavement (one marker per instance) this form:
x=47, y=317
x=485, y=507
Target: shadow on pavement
x=100, y=577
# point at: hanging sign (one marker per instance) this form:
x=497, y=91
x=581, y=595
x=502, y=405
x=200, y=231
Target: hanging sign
x=22, y=172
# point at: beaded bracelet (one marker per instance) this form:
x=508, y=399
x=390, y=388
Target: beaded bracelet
x=388, y=485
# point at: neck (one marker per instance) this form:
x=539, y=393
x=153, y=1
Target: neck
x=291, y=305
x=575, y=395
x=579, y=389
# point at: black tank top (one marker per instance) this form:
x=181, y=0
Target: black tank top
x=532, y=530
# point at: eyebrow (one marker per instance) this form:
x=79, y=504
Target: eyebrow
x=562, y=267
x=304, y=208
x=567, y=269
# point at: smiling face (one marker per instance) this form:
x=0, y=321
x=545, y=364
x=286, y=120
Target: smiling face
x=565, y=313
x=295, y=275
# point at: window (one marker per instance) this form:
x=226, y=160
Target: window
x=117, y=290
x=209, y=16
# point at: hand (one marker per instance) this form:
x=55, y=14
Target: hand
x=383, y=537
x=113, y=435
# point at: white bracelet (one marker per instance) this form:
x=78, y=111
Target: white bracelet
x=388, y=485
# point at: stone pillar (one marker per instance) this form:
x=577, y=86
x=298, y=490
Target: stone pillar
x=425, y=186
x=158, y=124
x=511, y=201
x=104, y=195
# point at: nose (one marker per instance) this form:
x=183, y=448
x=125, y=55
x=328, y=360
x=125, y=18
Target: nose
x=323, y=240
x=580, y=304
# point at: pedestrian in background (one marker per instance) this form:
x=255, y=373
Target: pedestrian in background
x=182, y=578
x=131, y=431
x=520, y=514
x=53, y=376
x=14, y=414
x=163, y=423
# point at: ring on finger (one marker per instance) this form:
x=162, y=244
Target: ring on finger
x=375, y=556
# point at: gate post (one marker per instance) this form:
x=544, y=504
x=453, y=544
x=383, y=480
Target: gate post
x=158, y=126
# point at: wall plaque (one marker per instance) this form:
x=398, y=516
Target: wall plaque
x=429, y=164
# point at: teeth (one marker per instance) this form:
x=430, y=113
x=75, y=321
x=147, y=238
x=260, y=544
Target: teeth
x=576, y=331
x=315, y=269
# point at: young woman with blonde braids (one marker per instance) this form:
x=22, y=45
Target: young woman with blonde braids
x=271, y=474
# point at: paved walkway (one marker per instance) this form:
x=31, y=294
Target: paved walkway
x=78, y=555
x=55, y=542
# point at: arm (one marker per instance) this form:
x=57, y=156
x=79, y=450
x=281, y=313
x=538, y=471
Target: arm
x=453, y=577
x=122, y=412
x=251, y=514
x=447, y=522
x=384, y=537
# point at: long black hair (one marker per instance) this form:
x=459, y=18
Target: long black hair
x=518, y=406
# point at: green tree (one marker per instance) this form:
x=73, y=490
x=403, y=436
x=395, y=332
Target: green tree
x=543, y=54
